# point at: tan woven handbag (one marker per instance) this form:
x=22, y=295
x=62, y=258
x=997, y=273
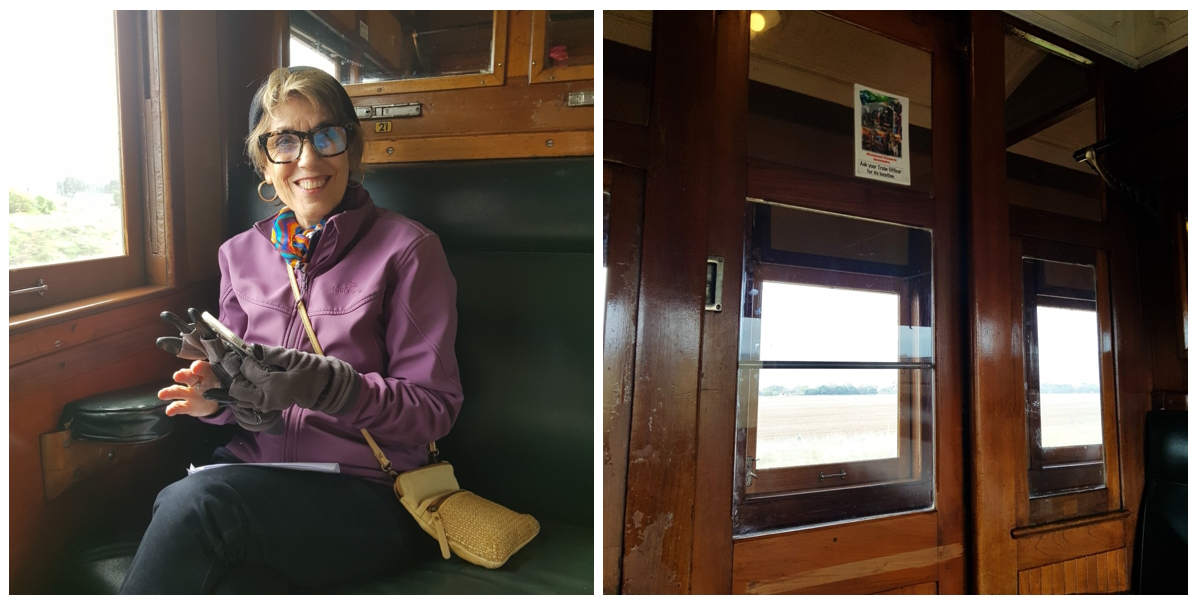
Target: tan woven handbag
x=478, y=530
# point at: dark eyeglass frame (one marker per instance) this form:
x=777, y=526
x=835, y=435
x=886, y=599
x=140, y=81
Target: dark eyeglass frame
x=303, y=136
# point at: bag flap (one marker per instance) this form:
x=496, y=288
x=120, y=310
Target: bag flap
x=424, y=483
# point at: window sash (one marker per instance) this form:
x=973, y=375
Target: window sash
x=913, y=394
x=1063, y=482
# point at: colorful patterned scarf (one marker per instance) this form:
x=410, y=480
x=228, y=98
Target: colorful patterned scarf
x=292, y=240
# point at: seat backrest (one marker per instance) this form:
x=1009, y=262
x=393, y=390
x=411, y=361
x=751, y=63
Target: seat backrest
x=1161, y=548
x=519, y=238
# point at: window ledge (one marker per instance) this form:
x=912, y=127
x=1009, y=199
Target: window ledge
x=75, y=309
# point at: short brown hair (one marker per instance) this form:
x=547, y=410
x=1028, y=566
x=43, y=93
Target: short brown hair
x=323, y=91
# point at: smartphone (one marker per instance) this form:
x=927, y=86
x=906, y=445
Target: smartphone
x=228, y=336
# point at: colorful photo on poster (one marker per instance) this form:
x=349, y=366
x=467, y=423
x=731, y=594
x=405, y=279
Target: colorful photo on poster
x=880, y=121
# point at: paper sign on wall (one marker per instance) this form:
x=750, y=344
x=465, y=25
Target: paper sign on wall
x=882, y=151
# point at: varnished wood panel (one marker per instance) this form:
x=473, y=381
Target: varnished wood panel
x=790, y=185
x=1049, y=545
x=712, y=555
x=659, y=515
x=625, y=144
x=922, y=589
x=995, y=403
x=855, y=557
x=626, y=187
x=113, y=358
x=1102, y=572
x=493, y=146
x=512, y=108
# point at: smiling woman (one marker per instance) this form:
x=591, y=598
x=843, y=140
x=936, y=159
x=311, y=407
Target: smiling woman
x=383, y=362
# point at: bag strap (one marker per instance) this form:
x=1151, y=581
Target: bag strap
x=379, y=455
x=433, y=452
x=303, y=312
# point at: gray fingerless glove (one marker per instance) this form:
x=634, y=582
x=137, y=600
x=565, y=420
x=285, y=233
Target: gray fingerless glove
x=286, y=376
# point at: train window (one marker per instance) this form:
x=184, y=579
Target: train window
x=836, y=366
x=802, y=70
x=1062, y=373
x=74, y=192
x=562, y=45
x=391, y=49
x=1051, y=111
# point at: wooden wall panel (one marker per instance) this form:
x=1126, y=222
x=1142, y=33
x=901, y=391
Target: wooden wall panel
x=1100, y=573
x=626, y=186
x=996, y=406
x=857, y=557
x=40, y=387
x=922, y=589
x=712, y=556
x=1039, y=547
x=659, y=515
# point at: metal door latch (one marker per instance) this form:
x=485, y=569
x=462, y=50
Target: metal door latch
x=580, y=99
x=714, y=293
x=748, y=466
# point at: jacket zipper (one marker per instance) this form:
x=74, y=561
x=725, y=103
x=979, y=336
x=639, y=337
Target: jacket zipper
x=291, y=416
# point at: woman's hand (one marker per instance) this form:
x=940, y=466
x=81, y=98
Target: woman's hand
x=187, y=394
x=286, y=377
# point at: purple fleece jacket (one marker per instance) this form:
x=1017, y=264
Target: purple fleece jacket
x=380, y=297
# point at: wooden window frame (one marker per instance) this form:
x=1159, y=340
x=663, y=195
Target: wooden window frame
x=1064, y=482
x=794, y=496
x=496, y=77
x=141, y=53
x=537, y=72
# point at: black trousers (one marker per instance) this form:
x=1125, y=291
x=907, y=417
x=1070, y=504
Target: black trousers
x=266, y=530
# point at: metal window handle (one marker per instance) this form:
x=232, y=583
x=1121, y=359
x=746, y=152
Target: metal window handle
x=842, y=475
x=748, y=465
x=40, y=289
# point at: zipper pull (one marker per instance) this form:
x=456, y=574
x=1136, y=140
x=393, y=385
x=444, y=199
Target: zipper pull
x=440, y=535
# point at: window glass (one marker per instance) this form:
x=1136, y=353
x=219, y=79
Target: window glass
x=569, y=38
x=65, y=194
x=376, y=46
x=804, y=68
x=1069, y=377
x=1050, y=113
x=808, y=417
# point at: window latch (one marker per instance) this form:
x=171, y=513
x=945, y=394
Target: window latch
x=40, y=288
x=748, y=465
x=842, y=475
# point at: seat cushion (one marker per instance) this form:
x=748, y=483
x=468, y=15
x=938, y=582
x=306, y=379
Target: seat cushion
x=560, y=560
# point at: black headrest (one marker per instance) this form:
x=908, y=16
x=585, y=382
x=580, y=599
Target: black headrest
x=1168, y=446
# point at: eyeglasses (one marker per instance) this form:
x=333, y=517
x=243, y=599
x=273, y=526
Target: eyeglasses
x=286, y=146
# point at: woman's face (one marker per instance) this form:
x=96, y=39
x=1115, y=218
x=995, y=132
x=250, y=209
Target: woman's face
x=312, y=185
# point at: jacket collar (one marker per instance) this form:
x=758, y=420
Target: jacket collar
x=340, y=230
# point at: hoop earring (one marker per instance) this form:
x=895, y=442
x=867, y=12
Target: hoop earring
x=263, y=198
x=359, y=183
